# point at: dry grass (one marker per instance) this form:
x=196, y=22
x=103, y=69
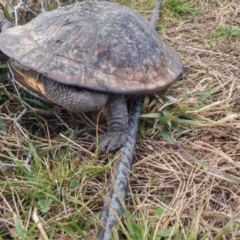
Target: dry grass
x=185, y=179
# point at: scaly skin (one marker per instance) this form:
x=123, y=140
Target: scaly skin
x=118, y=185
x=87, y=55
x=118, y=123
x=79, y=100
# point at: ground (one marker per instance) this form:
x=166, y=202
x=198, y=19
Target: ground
x=185, y=178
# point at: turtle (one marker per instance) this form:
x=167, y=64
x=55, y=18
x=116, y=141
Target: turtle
x=89, y=56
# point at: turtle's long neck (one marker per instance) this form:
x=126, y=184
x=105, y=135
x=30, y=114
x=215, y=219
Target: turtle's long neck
x=117, y=191
x=135, y=110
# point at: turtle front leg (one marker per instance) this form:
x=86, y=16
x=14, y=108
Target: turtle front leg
x=80, y=100
x=117, y=118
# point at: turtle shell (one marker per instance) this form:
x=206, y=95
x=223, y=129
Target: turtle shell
x=96, y=45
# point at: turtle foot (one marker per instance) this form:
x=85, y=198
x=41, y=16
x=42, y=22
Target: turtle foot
x=110, y=141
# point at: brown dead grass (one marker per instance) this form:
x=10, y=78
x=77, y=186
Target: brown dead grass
x=195, y=179
x=199, y=198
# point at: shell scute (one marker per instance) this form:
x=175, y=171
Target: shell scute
x=95, y=45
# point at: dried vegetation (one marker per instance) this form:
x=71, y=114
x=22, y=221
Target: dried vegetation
x=185, y=179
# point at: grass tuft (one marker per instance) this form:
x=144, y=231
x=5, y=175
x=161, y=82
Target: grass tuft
x=224, y=32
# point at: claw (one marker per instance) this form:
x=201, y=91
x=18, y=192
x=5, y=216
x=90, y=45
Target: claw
x=110, y=141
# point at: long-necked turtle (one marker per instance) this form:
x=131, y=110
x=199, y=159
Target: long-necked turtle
x=88, y=56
